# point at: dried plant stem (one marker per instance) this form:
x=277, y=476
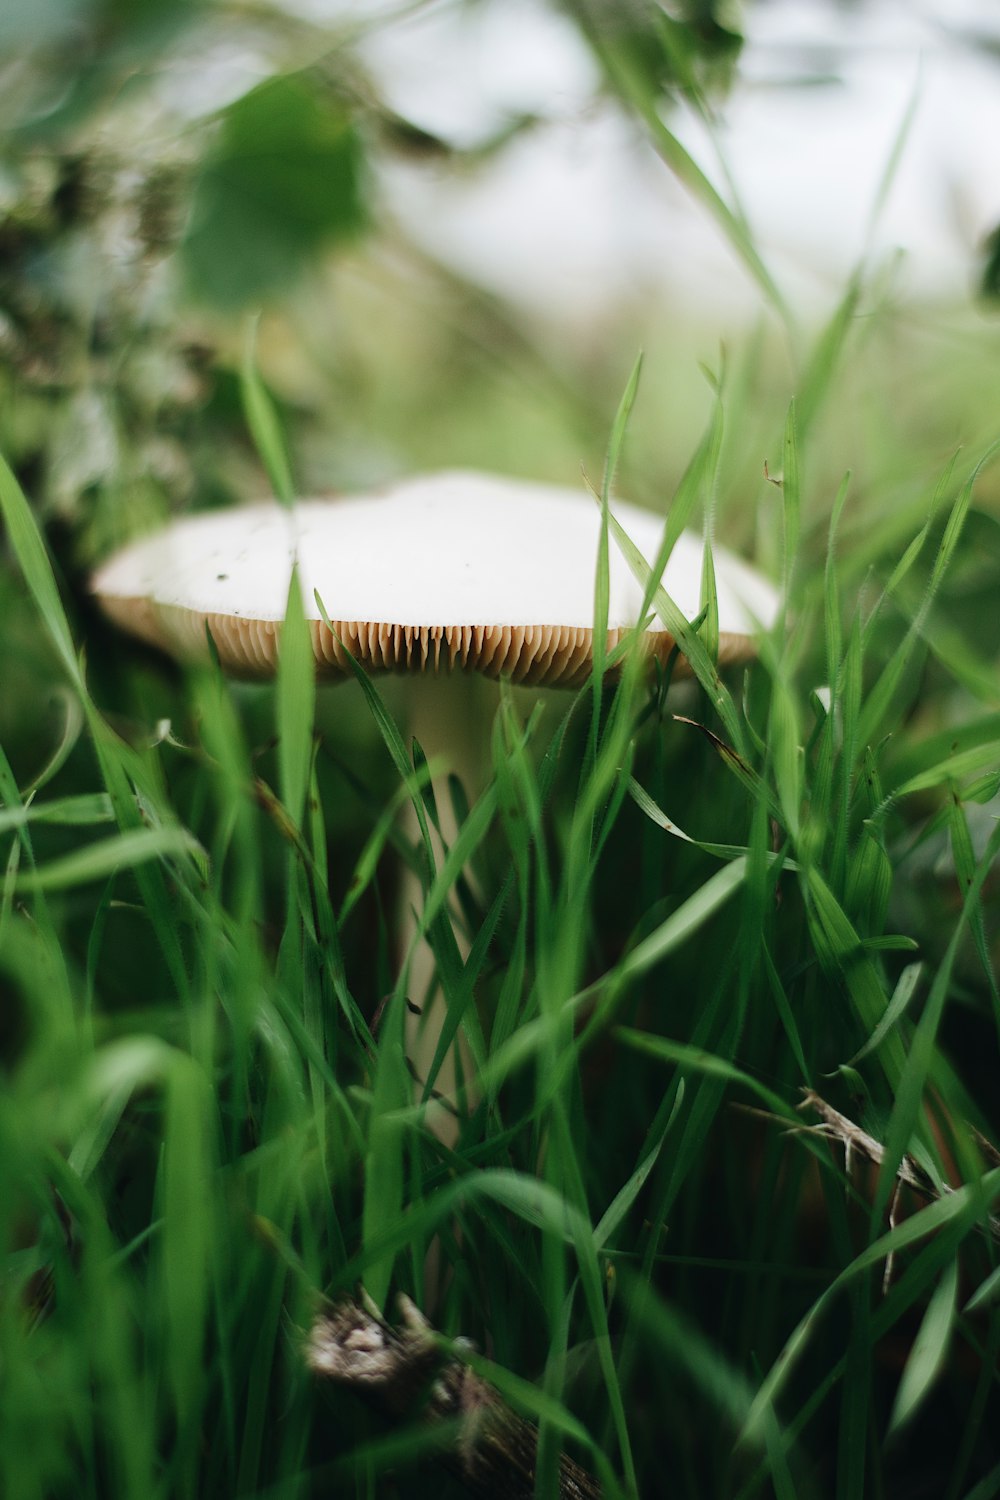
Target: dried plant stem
x=856, y=1141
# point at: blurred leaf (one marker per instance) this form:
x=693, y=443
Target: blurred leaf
x=295, y=703
x=385, y=1161
x=906, y=988
x=98, y=860
x=30, y=551
x=82, y=52
x=990, y=281
x=264, y=424
x=89, y=807
x=688, y=51
x=616, y=1211
x=929, y=1348
x=284, y=179
x=956, y=1213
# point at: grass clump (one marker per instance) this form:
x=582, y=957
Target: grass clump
x=665, y=923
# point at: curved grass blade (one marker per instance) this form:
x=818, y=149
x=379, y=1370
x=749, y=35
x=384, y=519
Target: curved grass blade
x=929, y=1349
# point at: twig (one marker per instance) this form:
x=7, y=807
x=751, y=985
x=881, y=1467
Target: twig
x=909, y=1173
x=404, y=1372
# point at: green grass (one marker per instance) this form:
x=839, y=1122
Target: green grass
x=660, y=909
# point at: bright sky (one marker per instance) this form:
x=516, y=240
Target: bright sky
x=578, y=210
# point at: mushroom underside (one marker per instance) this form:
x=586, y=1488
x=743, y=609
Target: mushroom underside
x=545, y=655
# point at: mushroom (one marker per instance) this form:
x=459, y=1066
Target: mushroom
x=452, y=570
x=446, y=570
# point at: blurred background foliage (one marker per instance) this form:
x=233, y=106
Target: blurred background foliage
x=143, y=219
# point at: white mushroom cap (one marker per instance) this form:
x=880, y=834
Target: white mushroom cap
x=454, y=569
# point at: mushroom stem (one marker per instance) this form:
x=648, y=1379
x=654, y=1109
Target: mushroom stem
x=449, y=720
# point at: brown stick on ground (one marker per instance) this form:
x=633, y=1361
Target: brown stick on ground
x=405, y=1373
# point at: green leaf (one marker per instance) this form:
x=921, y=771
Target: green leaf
x=951, y=768
x=295, y=701
x=685, y=921
x=840, y=951
x=188, y=1212
x=262, y=420
x=635, y=90
x=958, y=1210
x=699, y=1061
x=30, y=552
x=384, y=1164
x=97, y=861
x=284, y=179
x=791, y=493
x=929, y=1349
x=629, y=1191
x=69, y=812
x=601, y=581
